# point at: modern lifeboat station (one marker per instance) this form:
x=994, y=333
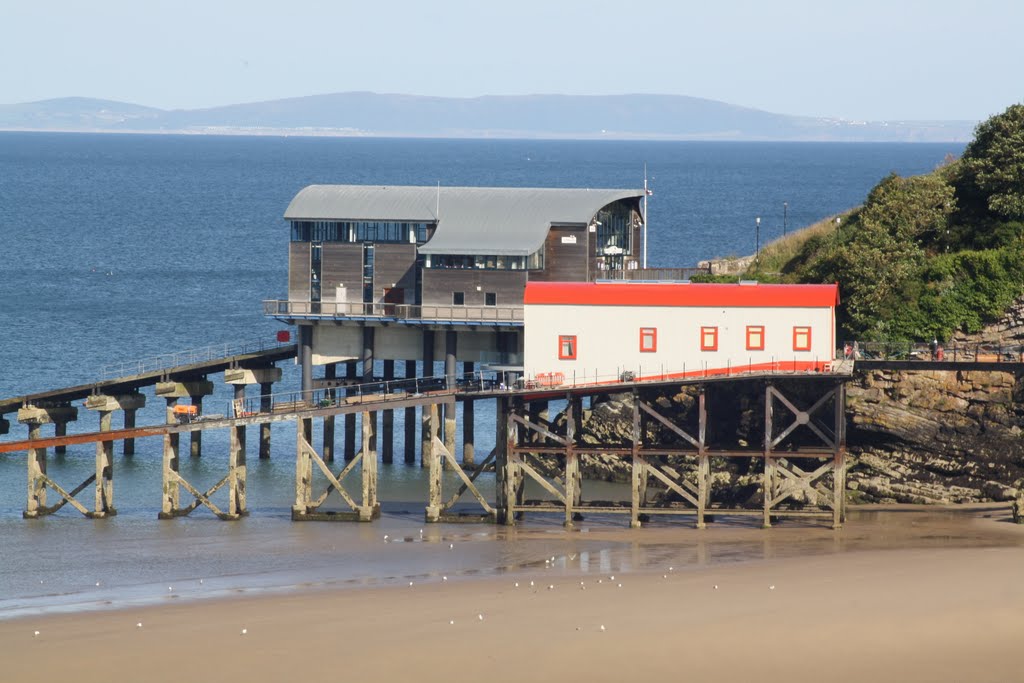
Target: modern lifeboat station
x=543, y=296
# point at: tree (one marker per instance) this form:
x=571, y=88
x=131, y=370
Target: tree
x=992, y=167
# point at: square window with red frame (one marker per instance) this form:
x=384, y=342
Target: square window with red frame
x=709, y=339
x=755, y=337
x=801, y=338
x=567, y=347
x=648, y=339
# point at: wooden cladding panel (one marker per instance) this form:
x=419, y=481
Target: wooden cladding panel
x=342, y=264
x=298, y=271
x=394, y=265
x=565, y=256
x=508, y=286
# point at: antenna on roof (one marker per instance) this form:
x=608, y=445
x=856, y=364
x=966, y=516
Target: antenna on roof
x=646, y=194
x=437, y=210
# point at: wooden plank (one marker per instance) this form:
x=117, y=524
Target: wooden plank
x=665, y=421
x=66, y=497
x=671, y=484
x=466, y=481
x=540, y=430
x=533, y=474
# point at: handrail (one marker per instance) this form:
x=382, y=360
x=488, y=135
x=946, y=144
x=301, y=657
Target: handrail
x=963, y=352
x=334, y=309
x=189, y=357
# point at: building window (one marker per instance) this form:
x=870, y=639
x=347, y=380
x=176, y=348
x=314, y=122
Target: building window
x=490, y=299
x=801, y=338
x=648, y=339
x=567, y=347
x=458, y=298
x=709, y=339
x=755, y=337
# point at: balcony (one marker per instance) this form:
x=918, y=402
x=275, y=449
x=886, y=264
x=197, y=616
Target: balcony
x=491, y=316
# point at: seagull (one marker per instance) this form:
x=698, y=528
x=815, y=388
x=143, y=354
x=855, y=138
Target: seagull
x=771, y=588
x=602, y=627
x=138, y=625
x=36, y=633
x=480, y=617
x=244, y=631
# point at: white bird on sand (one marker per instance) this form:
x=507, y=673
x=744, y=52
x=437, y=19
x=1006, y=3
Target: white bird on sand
x=169, y=588
x=716, y=586
x=602, y=627
x=480, y=617
x=36, y=633
x=451, y=546
x=451, y=623
x=771, y=588
x=138, y=625
x=244, y=631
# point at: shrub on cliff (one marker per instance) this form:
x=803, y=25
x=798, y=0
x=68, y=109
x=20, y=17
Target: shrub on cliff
x=928, y=255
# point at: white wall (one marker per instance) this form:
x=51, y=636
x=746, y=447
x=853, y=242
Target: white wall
x=608, y=338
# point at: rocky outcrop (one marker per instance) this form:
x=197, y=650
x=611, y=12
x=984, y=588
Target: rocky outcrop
x=935, y=437
x=913, y=437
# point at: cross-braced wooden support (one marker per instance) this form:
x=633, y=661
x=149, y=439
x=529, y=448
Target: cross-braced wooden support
x=306, y=507
x=440, y=456
x=649, y=463
x=173, y=482
x=39, y=481
x=533, y=449
x=784, y=480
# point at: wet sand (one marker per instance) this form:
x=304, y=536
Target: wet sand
x=905, y=596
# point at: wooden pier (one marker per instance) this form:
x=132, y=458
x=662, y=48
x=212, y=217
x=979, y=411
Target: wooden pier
x=531, y=445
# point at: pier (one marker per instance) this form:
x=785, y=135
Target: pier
x=534, y=443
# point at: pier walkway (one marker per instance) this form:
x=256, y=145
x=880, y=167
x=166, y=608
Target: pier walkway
x=184, y=366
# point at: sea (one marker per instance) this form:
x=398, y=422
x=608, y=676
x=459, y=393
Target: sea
x=119, y=248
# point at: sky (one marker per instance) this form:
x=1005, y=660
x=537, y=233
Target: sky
x=851, y=59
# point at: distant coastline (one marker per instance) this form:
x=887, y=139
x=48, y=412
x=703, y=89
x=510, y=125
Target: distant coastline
x=541, y=117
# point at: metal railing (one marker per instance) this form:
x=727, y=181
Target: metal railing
x=381, y=391
x=667, y=274
x=332, y=309
x=973, y=352
x=190, y=357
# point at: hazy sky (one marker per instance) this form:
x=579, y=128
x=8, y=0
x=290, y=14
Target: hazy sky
x=855, y=59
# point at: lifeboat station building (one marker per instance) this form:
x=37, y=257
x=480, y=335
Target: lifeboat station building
x=411, y=273
x=580, y=333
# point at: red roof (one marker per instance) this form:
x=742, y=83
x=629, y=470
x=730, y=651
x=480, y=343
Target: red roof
x=680, y=294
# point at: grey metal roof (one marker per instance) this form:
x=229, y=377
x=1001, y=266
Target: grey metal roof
x=470, y=220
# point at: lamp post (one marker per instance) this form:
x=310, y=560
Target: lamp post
x=838, y=221
x=785, y=218
x=757, y=238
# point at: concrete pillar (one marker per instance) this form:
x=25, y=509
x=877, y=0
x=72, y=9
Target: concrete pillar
x=105, y=406
x=196, y=437
x=35, y=504
x=60, y=428
x=330, y=372
x=170, y=501
x=104, y=471
x=367, y=376
x=240, y=378
x=351, y=373
x=240, y=401
x=410, y=419
x=387, y=438
x=128, y=447
x=305, y=351
x=451, y=339
x=468, y=454
x=426, y=426
x=265, y=406
x=195, y=390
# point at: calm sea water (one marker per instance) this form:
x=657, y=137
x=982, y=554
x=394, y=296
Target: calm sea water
x=115, y=248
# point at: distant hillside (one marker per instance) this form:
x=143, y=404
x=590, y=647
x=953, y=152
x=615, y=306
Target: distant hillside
x=528, y=116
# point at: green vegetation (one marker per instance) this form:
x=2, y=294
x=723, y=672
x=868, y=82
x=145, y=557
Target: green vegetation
x=927, y=255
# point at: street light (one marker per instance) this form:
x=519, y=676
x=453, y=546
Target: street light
x=757, y=238
x=785, y=217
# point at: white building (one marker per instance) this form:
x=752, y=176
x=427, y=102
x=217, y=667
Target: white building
x=587, y=332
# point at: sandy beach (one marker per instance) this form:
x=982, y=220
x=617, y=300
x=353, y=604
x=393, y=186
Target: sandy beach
x=930, y=610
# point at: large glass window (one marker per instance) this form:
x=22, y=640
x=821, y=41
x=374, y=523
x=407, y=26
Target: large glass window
x=360, y=231
x=534, y=261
